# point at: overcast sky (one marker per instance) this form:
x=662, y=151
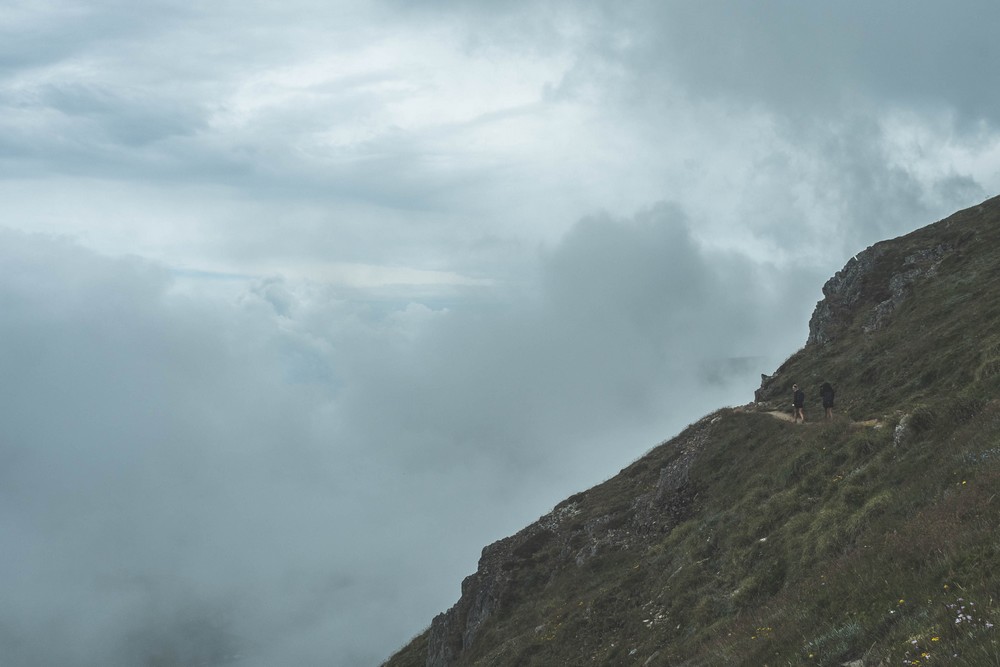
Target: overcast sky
x=303, y=303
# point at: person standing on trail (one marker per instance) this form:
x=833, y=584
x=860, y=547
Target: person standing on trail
x=826, y=393
x=798, y=402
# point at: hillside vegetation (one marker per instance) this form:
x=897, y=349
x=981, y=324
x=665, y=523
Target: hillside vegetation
x=870, y=539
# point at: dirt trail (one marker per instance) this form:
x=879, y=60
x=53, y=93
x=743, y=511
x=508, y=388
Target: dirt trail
x=787, y=417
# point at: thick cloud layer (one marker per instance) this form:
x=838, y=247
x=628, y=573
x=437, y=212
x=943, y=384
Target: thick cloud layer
x=295, y=476
x=302, y=304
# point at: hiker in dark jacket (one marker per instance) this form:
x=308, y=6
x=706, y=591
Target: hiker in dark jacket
x=826, y=393
x=798, y=402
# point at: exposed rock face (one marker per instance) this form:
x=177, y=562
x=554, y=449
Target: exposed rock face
x=861, y=279
x=567, y=538
x=484, y=592
x=919, y=265
x=455, y=630
x=841, y=294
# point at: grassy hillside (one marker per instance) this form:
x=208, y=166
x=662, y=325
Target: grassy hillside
x=747, y=540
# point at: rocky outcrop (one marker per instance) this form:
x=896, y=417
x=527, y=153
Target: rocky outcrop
x=490, y=588
x=842, y=293
x=918, y=266
x=456, y=629
x=874, y=282
x=569, y=536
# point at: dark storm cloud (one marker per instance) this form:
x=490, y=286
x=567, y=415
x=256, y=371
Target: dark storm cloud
x=815, y=58
x=831, y=83
x=838, y=80
x=795, y=57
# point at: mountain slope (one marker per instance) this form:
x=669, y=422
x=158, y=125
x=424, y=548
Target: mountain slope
x=747, y=540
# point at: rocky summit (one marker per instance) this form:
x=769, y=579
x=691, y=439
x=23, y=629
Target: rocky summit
x=866, y=539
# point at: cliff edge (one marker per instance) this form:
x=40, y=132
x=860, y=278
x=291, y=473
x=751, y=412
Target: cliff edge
x=747, y=540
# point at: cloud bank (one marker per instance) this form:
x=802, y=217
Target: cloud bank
x=287, y=475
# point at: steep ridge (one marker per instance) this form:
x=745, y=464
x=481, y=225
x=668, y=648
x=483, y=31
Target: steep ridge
x=869, y=539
